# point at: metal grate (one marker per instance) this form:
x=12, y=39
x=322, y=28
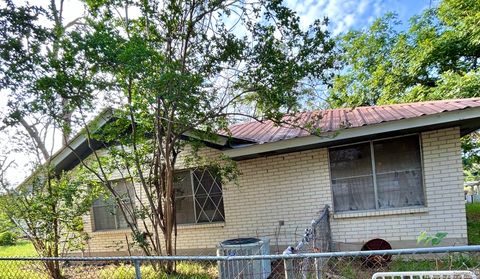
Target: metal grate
x=198, y=197
x=208, y=196
x=245, y=269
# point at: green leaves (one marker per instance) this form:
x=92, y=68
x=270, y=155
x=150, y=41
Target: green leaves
x=471, y=156
x=49, y=210
x=368, y=64
x=436, y=58
x=43, y=66
x=433, y=240
x=184, y=70
x=463, y=17
x=285, y=61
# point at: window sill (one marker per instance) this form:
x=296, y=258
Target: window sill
x=112, y=231
x=201, y=226
x=180, y=227
x=373, y=213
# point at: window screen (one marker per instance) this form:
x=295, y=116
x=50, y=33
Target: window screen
x=184, y=201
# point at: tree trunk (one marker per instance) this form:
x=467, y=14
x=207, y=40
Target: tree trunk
x=33, y=133
x=66, y=122
x=53, y=268
x=169, y=217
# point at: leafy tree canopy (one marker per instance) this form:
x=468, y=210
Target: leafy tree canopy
x=437, y=57
x=190, y=67
x=177, y=67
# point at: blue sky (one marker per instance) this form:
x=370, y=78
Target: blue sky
x=345, y=15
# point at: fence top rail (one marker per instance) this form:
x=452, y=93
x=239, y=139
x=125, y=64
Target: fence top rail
x=409, y=251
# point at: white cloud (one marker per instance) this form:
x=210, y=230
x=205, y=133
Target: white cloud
x=345, y=15
x=342, y=14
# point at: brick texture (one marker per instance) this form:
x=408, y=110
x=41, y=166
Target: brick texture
x=294, y=187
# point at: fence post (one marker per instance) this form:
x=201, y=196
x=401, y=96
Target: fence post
x=319, y=268
x=138, y=274
x=288, y=265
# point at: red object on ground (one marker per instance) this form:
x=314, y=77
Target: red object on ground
x=377, y=260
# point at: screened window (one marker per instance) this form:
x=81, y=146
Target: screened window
x=378, y=174
x=106, y=214
x=198, y=197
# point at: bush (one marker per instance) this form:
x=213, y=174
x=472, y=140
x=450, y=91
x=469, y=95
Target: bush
x=473, y=223
x=8, y=238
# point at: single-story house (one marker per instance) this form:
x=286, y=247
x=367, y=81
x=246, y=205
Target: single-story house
x=387, y=172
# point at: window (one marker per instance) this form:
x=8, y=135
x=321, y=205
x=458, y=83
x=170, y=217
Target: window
x=198, y=197
x=106, y=214
x=378, y=174
x=352, y=178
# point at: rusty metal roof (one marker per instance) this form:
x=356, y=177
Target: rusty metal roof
x=332, y=120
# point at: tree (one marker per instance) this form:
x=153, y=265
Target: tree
x=48, y=210
x=185, y=70
x=47, y=83
x=6, y=223
x=471, y=156
x=436, y=58
x=41, y=70
x=368, y=62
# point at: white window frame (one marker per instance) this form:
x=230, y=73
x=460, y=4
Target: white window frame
x=374, y=174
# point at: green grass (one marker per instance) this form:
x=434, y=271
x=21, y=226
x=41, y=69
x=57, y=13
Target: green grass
x=17, y=269
x=34, y=270
x=184, y=270
x=450, y=262
x=473, y=223
x=23, y=248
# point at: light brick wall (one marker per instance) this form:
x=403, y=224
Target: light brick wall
x=445, y=211
x=294, y=187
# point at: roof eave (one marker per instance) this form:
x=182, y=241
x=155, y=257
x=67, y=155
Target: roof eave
x=74, y=150
x=219, y=142
x=81, y=147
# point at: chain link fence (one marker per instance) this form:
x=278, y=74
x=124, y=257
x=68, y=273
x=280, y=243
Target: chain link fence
x=334, y=265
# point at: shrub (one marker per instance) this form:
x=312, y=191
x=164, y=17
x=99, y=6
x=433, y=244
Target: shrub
x=8, y=238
